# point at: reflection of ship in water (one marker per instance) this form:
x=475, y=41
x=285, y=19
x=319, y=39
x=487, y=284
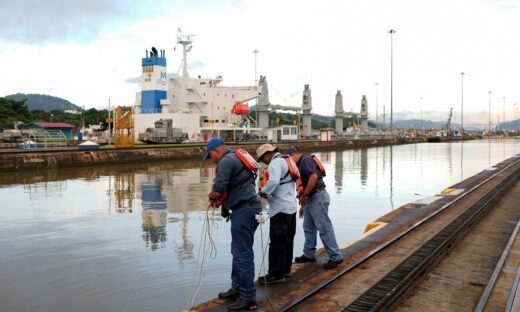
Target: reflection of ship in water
x=168, y=196
x=154, y=214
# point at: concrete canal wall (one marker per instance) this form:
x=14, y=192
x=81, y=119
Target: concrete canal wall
x=36, y=159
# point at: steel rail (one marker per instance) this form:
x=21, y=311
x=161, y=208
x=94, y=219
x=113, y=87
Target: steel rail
x=382, y=295
x=385, y=244
x=498, y=268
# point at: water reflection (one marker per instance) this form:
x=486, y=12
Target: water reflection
x=363, y=168
x=154, y=213
x=338, y=171
x=123, y=190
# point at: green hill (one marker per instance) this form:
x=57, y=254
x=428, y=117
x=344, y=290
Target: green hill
x=44, y=102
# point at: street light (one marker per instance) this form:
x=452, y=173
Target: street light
x=504, y=112
x=255, y=52
x=52, y=115
x=489, y=122
x=391, y=32
x=377, y=103
x=462, y=104
x=420, y=104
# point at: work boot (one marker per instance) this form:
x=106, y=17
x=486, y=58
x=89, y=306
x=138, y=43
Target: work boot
x=231, y=294
x=332, y=264
x=304, y=259
x=242, y=305
x=269, y=279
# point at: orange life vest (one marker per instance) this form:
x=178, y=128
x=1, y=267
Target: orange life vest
x=293, y=171
x=248, y=161
x=319, y=165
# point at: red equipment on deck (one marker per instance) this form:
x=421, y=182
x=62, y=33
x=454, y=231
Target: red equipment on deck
x=240, y=108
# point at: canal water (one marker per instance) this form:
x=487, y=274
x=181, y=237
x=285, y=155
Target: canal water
x=130, y=237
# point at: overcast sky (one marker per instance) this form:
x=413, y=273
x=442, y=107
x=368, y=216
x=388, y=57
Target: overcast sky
x=90, y=51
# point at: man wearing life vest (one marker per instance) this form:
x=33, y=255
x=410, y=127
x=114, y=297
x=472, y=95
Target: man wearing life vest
x=235, y=179
x=280, y=191
x=315, y=211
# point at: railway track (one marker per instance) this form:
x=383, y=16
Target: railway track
x=388, y=289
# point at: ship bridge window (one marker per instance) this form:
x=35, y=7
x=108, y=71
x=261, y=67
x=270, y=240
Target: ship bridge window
x=148, y=69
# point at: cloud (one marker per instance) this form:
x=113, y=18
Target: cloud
x=38, y=22
x=506, y=4
x=57, y=21
x=134, y=80
x=196, y=65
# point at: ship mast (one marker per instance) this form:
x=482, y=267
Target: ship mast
x=185, y=41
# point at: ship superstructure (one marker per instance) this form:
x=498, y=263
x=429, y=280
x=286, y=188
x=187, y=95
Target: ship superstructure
x=201, y=107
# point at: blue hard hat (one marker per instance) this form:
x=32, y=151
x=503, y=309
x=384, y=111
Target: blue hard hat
x=291, y=150
x=212, y=144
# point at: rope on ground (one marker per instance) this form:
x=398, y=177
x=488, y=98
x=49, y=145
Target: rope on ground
x=207, y=246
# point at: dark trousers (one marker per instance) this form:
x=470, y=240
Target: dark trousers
x=243, y=227
x=281, y=233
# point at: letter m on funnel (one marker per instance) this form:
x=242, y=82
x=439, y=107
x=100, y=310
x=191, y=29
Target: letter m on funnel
x=163, y=75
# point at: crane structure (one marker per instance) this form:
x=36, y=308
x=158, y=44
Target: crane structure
x=264, y=106
x=340, y=113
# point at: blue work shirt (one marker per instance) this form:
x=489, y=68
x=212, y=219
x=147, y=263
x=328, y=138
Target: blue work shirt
x=236, y=180
x=280, y=188
x=307, y=166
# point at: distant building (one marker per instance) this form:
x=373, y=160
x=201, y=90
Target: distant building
x=64, y=127
x=284, y=133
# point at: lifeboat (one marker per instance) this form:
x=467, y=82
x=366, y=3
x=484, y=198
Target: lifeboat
x=240, y=108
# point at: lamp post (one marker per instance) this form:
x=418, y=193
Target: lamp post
x=377, y=103
x=52, y=115
x=255, y=52
x=504, y=112
x=514, y=115
x=462, y=103
x=420, y=104
x=391, y=32
x=489, y=122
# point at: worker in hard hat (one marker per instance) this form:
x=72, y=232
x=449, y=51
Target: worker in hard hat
x=238, y=183
x=280, y=191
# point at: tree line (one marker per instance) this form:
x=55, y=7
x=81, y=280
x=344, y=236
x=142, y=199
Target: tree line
x=12, y=111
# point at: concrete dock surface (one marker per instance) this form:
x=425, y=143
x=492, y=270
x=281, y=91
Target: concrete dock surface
x=455, y=284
